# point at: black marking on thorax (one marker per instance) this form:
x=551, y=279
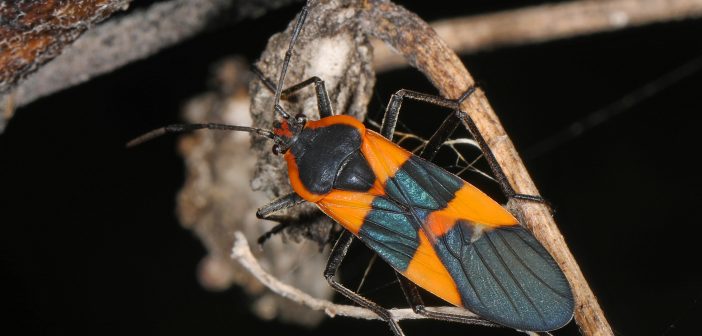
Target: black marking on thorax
x=355, y=174
x=320, y=154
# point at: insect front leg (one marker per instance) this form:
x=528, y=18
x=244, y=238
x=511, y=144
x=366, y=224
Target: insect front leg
x=268, y=212
x=336, y=257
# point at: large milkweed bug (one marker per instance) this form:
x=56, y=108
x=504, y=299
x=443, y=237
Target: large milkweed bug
x=436, y=230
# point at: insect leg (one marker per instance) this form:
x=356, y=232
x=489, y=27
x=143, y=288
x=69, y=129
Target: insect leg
x=415, y=300
x=446, y=129
x=323, y=102
x=490, y=157
x=387, y=128
x=336, y=257
x=268, y=210
x=288, y=201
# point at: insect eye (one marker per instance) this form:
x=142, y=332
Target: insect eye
x=300, y=119
x=276, y=149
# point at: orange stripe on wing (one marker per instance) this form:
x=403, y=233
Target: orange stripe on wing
x=427, y=271
x=347, y=208
x=384, y=157
x=470, y=204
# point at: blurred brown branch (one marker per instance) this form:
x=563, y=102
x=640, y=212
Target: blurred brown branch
x=116, y=43
x=34, y=32
x=546, y=22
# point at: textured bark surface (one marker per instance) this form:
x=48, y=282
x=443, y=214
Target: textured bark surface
x=34, y=32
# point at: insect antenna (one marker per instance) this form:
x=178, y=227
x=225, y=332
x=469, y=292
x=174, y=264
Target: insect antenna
x=265, y=80
x=286, y=61
x=179, y=128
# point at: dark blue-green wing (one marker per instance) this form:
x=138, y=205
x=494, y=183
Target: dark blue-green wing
x=503, y=273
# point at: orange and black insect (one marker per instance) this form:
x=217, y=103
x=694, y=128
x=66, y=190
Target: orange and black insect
x=436, y=230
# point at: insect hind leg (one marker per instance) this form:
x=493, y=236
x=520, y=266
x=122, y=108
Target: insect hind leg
x=336, y=257
x=415, y=300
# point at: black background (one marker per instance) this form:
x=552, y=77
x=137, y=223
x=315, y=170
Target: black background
x=90, y=242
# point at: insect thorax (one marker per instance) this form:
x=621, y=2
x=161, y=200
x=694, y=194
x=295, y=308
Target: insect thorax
x=330, y=157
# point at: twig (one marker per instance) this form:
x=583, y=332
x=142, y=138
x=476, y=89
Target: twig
x=242, y=254
x=546, y=22
x=423, y=49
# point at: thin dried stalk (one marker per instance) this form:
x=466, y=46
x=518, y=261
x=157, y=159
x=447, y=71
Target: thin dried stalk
x=546, y=22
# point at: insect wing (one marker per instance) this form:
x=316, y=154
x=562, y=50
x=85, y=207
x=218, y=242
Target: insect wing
x=456, y=242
